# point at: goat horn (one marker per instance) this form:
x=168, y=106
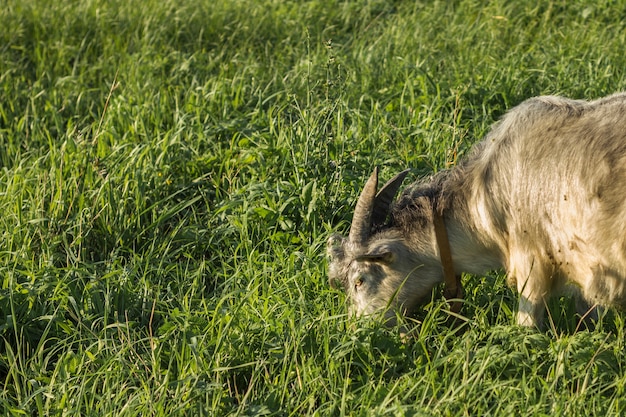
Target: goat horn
x=362, y=219
x=385, y=197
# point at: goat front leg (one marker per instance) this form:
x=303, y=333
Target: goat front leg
x=533, y=285
x=530, y=312
x=590, y=314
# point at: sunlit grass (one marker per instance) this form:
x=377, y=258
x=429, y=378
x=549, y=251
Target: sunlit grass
x=170, y=173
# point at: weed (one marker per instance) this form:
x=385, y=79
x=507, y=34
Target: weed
x=170, y=173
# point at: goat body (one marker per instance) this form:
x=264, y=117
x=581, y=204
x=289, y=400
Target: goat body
x=543, y=195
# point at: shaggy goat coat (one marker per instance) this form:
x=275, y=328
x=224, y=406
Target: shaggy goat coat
x=542, y=195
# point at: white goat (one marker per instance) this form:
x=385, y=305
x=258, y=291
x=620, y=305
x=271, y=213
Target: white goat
x=542, y=195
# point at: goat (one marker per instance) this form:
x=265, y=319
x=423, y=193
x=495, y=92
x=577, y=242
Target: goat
x=543, y=196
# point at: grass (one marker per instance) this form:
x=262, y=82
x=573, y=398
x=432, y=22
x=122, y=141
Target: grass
x=170, y=173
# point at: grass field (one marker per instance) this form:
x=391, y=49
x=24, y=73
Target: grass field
x=170, y=172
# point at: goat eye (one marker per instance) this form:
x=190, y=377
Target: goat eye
x=358, y=282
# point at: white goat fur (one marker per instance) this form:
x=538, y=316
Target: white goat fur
x=543, y=195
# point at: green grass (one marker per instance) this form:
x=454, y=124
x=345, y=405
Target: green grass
x=170, y=172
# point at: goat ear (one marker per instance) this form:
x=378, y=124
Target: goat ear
x=385, y=197
x=377, y=257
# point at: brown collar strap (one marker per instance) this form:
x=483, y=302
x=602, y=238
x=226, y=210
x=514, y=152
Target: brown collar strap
x=453, y=289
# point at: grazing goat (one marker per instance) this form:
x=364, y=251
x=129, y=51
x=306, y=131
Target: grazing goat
x=543, y=195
